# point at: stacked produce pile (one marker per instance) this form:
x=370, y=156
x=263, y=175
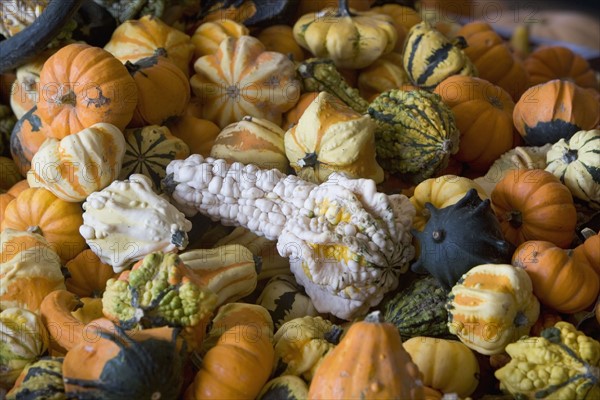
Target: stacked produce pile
x=356, y=204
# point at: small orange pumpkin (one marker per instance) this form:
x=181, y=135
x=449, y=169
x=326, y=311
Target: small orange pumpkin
x=534, y=205
x=198, y=133
x=82, y=85
x=483, y=115
x=38, y=210
x=556, y=62
x=88, y=275
x=560, y=280
x=280, y=38
x=10, y=194
x=493, y=59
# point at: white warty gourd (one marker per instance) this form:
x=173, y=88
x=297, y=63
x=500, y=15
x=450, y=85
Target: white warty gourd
x=346, y=242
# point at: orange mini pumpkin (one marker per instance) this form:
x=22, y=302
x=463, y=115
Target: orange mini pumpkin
x=557, y=62
x=82, y=85
x=483, y=115
x=493, y=59
x=534, y=205
x=280, y=38
x=590, y=249
x=560, y=280
x=198, y=133
x=88, y=275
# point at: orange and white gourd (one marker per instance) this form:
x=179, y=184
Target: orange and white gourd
x=347, y=243
x=127, y=220
x=79, y=164
x=241, y=79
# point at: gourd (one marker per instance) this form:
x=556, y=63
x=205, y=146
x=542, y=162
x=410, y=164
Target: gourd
x=7, y=123
x=80, y=163
x=292, y=116
x=555, y=110
x=25, y=91
x=534, y=205
x=39, y=211
x=492, y=58
x=87, y=275
x=208, y=35
x=65, y=330
x=301, y=343
x=321, y=75
x=137, y=39
x=327, y=231
x=243, y=78
x=557, y=62
x=352, y=39
x=148, y=150
x=10, y=194
x=264, y=252
x=228, y=271
x=483, y=115
x=405, y=17
x=285, y=300
x=416, y=133
x=27, y=136
x=331, y=137
x=255, y=317
x=147, y=364
x=41, y=379
x=561, y=279
x=442, y=191
x=429, y=56
x=590, y=249
x=23, y=339
x=126, y=221
x=571, y=374
x=280, y=38
x=252, y=141
x=30, y=269
x=447, y=365
x=576, y=163
x=199, y=134
x=286, y=387
x=385, y=73
x=491, y=306
x=354, y=368
x=419, y=309
x=459, y=237
x=163, y=89
x=237, y=367
x=84, y=85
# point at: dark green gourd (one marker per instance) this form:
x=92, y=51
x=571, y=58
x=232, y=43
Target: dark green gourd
x=459, y=237
x=419, y=310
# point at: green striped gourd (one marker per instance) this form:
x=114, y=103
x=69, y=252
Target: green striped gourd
x=576, y=162
x=430, y=57
x=419, y=310
x=41, y=380
x=416, y=133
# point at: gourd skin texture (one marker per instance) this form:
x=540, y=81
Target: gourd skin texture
x=561, y=364
x=40, y=380
x=346, y=242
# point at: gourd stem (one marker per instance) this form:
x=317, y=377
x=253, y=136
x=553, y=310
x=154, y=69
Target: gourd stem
x=588, y=233
x=309, y=160
x=515, y=218
x=334, y=335
x=69, y=98
x=570, y=156
x=343, y=8
x=375, y=317
x=35, y=229
x=520, y=319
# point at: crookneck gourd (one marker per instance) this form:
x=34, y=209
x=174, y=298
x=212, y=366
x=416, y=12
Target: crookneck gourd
x=126, y=221
x=416, y=133
x=459, y=237
x=347, y=243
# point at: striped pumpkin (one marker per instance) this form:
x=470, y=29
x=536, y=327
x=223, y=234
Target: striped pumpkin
x=229, y=271
x=137, y=39
x=430, y=57
x=576, y=162
x=242, y=78
x=210, y=34
x=149, y=150
x=30, y=269
x=332, y=137
x=252, y=141
x=491, y=306
x=80, y=163
x=416, y=133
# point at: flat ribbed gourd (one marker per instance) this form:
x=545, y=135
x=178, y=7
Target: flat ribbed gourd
x=430, y=57
x=416, y=133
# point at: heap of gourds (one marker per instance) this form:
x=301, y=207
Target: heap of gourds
x=354, y=205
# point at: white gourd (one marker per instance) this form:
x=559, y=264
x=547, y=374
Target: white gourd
x=346, y=242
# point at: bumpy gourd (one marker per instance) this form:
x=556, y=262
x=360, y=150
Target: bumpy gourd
x=430, y=57
x=416, y=133
x=347, y=243
x=459, y=237
x=563, y=363
x=40, y=380
x=126, y=221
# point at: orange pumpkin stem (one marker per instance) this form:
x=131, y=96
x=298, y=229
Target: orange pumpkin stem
x=69, y=98
x=515, y=218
